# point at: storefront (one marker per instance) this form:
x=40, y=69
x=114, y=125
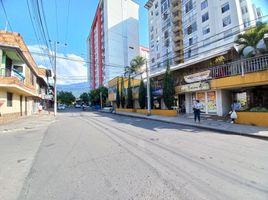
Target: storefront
x=198, y=91
x=198, y=88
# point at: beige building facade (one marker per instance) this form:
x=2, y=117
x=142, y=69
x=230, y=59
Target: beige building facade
x=22, y=84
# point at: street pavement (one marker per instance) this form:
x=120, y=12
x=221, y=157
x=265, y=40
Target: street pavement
x=86, y=155
x=19, y=143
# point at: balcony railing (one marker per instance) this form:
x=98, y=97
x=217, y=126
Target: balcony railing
x=240, y=67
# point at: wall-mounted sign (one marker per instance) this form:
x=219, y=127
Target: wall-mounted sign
x=157, y=92
x=195, y=87
x=201, y=76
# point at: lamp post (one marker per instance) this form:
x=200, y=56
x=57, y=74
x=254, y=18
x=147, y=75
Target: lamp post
x=148, y=90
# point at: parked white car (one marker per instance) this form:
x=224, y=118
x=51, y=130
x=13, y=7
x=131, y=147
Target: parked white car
x=61, y=107
x=77, y=106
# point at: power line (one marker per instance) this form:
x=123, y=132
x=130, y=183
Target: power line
x=35, y=33
x=56, y=11
x=221, y=38
x=6, y=15
x=67, y=21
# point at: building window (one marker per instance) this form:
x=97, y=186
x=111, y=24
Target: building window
x=206, y=30
x=156, y=13
x=188, y=6
x=156, y=5
x=166, y=34
x=165, y=16
x=153, y=60
x=32, y=78
x=190, y=41
x=167, y=43
x=152, y=13
x=244, y=10
x=226, y=21
x=205, y=17
x=192, y=28
x=9, y=99
x=204, y=4
x=225, y=8
x=189, y=53
x=246, y=23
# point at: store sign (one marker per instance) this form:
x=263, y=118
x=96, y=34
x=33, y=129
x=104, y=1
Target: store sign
x=157, y=93
x=48, y=97
x=201, y=76
x=195, y=87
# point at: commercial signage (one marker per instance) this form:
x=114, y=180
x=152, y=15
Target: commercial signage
x=195, y=87
x=48, y=97
x=201, y=76
x=157, y=92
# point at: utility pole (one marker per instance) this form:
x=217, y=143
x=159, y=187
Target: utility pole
x=101, y=99
x=55, y=78
x=148, y=90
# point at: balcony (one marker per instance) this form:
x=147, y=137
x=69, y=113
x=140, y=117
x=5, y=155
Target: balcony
x=176, y=29
x=175, y=7
x=240, y=67
x=177, y=48
x=177, y=37
x=14, y=81
x=176, y=18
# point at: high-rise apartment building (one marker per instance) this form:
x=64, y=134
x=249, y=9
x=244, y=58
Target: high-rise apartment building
x=183, y=30
x=113, y=40
x=211, y=26
x=165, y=33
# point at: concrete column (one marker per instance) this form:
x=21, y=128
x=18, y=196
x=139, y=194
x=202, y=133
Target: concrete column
x=163, y=106
x=1, y=57
x=224, y=101
x=188, y=102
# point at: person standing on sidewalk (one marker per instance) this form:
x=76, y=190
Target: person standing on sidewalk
x=197, y=110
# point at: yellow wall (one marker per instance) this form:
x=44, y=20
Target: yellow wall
x=167, y=113
x=253, y=118
x=250, y=79
x=4, y=109
x=125, y=110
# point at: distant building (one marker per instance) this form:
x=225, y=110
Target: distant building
x=211, y=26
x=165, y=33
x=113, y=40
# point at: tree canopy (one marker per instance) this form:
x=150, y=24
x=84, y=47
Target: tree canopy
x=94, y=95
x=85, y=97
x=168, y=89
x=142, y=95
x=249, y=42
x=65, y=97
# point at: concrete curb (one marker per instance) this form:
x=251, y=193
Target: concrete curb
x=231, y=132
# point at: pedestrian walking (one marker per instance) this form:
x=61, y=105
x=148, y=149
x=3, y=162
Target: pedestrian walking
x=236, y=106
x=197, y=110
x=40, y=108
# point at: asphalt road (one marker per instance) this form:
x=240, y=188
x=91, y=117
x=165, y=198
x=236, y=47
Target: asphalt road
x=93, y=156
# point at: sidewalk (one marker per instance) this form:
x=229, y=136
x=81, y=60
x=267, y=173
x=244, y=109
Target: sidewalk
x=207, y=123
x=29, y=122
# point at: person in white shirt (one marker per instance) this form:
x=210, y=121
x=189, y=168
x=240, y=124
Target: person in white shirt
x=197, y=110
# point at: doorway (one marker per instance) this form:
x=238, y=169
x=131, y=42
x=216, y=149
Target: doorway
x=20, y=105
x=25, y=106
x=182, y=108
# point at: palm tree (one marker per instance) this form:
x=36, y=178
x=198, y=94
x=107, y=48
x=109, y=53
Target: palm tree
x=137, y=62
x=249, y=42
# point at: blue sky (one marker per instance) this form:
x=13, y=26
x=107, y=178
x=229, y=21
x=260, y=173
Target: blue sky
x=75, y=32
x=81, y=14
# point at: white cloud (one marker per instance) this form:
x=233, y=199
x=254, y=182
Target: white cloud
x=71, y=68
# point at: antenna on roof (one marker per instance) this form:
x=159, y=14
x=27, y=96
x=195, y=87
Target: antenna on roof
x=6, y=25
